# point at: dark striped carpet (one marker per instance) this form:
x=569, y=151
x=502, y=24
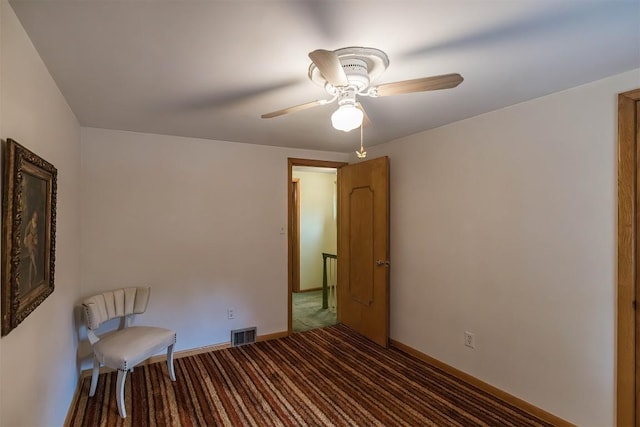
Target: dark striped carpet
x=324, y=377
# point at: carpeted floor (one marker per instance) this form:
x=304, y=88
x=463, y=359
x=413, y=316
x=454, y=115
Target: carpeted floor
x=307, y=312
x=325, y=377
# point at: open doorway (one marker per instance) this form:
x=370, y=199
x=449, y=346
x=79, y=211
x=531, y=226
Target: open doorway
x=313, y=211
x=313, y=302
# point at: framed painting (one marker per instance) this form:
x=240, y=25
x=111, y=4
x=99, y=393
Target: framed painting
x=28, y=233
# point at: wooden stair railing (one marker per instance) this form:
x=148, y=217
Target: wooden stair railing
x=333, y=259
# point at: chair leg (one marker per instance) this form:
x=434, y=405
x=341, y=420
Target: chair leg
x=172, y=373
x=122, y=376
x=94, y=376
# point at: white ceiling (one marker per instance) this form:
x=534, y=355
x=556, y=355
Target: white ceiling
x=209, y=69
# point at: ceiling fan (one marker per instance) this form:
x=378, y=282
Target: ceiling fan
x=348, y=73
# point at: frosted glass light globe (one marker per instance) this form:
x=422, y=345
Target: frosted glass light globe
x=347, y=117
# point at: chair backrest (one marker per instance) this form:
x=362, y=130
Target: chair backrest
x=117, y=303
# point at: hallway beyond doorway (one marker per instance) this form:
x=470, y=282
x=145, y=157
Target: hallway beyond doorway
x=308, y=312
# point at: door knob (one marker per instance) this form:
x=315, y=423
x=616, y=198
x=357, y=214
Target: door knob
x=380, y=263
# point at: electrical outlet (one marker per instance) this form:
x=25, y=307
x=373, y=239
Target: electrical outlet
x=469, y=339
x=231, y=313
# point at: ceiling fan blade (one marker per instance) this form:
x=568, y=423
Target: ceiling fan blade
x=329, y=65
x=445, y=81
x=365, y=120
x=294, y=109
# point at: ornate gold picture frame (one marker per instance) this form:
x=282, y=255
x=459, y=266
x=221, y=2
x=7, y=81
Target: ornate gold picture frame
x=28, y=232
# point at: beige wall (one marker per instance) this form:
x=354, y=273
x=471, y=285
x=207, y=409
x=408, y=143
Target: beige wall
x=38, y=371
x=200, y=221
x=504, y=225
x=318, y=231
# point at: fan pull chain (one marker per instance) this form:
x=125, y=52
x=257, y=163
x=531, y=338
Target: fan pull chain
x=361, y=154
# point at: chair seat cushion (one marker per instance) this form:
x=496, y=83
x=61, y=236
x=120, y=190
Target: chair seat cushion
x=125, y=348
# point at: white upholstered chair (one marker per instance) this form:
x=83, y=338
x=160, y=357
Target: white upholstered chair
x=124, y=348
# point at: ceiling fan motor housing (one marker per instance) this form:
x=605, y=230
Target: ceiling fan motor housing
x=356, y=71
x=361, y=65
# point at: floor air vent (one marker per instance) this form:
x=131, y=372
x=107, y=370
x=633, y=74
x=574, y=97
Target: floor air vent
x=243, y=336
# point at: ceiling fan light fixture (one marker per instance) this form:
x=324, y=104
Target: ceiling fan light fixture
x=347, y=74
x=347, y=117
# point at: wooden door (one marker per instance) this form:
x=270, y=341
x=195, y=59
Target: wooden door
x=363, y=248
x=628, y=325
